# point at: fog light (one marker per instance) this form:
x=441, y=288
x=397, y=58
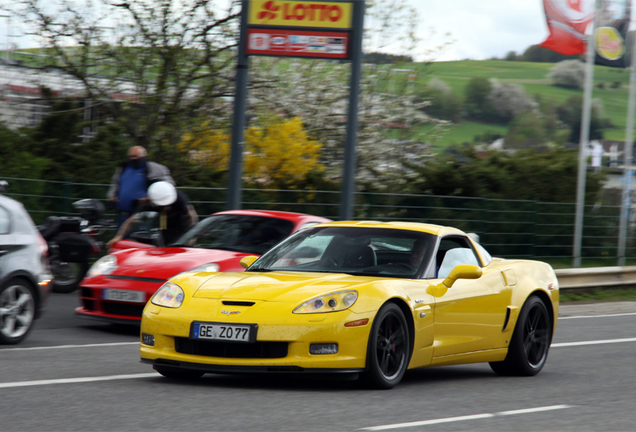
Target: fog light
x=329, y=348
x=147, y=339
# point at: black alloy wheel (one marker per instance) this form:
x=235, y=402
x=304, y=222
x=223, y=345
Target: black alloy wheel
x=528, y=350
x=389, y=348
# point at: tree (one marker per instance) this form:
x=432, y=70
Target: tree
x=523, y=175
x=509, y=100
x=568, y=74
x=476, y=102
x=536, y=53
x=527, y=131
x=444, y=104
x=318, y=93
x=278, y=154
x=569, y=113
x=511, y=56
x=153, y=65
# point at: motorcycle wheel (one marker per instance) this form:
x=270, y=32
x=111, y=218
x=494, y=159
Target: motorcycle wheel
x=67, y=276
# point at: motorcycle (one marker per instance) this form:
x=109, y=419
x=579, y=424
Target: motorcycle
x=73, y=243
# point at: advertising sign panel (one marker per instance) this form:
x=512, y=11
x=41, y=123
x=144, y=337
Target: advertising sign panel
x=297, y=43
x=307, y=14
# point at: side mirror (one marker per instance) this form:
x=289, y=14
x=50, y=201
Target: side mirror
x=148, y=237
x=247, y=261
x=463, y=271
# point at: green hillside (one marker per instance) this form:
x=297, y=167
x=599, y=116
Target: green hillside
x=610, y=86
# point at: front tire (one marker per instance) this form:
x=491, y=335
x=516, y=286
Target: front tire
x=177, y=373
x=17, y=311
x=528, y=350
x=389, y=349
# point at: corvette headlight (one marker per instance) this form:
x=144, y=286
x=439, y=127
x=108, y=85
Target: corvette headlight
x=103, y=266
x=333, y=302
x=169, y=295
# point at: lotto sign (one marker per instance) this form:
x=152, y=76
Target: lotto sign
x=313, y=14
x=298, y=43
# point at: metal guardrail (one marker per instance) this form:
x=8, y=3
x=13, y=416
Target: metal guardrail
x=597, y=277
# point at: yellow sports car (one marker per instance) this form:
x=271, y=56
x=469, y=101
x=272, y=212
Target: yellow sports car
x=366, y=298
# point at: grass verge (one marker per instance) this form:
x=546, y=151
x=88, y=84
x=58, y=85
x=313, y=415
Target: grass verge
x=598, y=295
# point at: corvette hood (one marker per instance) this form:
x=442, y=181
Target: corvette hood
x=279, y=287
x=165, y=262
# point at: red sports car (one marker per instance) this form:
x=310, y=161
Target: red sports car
x=117, y=287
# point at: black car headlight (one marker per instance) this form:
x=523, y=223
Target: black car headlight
x=333, y=302
x=169, y=295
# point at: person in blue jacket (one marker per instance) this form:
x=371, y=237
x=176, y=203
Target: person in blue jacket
x=131, y=180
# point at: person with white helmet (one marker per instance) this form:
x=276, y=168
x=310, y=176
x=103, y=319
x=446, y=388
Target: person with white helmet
x=176, y=214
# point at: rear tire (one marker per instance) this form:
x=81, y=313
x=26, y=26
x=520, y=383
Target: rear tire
x=389, y=348
x=528, y=350
x=17, y=311
x=176, y=373
x=67, y=276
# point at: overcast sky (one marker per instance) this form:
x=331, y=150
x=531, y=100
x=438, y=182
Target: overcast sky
x=481, y=29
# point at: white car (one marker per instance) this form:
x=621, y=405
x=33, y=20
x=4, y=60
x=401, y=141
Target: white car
x=24, y=271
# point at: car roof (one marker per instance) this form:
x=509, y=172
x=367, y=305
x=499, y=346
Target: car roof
x=10, y=203
x=273, y=213
x=437, y=230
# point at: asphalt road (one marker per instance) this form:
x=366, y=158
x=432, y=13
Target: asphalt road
x=73, y=374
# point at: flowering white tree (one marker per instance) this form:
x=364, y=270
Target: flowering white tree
x=510, y=100
x=318, y=93
x=568, y=73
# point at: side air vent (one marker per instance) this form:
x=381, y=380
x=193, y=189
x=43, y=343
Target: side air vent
x=237, y=303
x=506, y=319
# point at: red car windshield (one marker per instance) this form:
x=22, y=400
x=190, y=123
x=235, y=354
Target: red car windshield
x=242, y=233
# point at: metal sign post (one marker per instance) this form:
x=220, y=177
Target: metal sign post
x=347, y=198
x=234, y=190
x=583, y=144
x=321, y=29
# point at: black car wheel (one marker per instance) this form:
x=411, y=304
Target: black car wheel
x=530, y=342
x=389, y=348
x=177, y=373
x=17, y=311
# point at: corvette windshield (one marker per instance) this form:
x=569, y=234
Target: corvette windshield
x=241, y=233
x=353, y=250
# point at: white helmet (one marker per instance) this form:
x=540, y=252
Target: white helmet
x=162, y=193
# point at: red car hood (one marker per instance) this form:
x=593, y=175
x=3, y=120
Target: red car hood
x=165, y=262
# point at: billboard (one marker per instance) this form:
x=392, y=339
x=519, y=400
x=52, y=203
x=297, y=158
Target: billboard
x=292, y=28
x=297, y=43
x=292, y=13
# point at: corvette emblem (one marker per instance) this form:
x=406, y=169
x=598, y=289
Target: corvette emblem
x=228, y=313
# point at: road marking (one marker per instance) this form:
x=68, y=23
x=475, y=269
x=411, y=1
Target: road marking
x=76, y=380
x=598, y=316
x=464, y=418
x=71, y=346
x=596, y=342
